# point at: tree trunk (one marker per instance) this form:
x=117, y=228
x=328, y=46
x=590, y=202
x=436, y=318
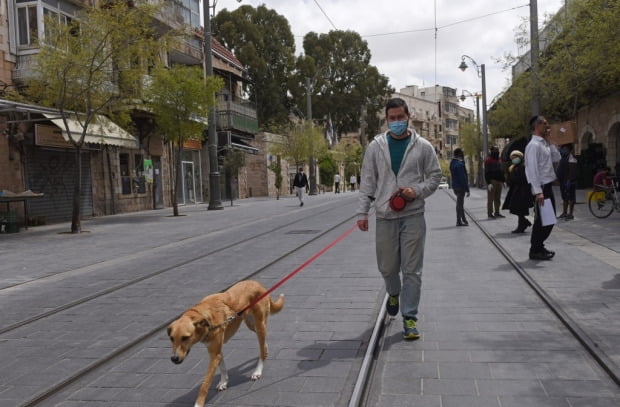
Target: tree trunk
x=176, y=174
x=76, y=226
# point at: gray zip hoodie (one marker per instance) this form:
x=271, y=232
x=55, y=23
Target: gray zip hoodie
x=419, y=170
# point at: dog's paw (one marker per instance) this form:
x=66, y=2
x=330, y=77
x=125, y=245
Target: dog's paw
x=221, y=386
x=255, y=376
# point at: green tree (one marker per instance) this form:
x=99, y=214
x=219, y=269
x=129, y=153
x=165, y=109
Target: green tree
x=578, y=67
x=179, y=97
x=262, y=40
x=344, y=80
x=471, y=143
x=233, y=162
x=276, y=167
x=293, y=147
x=353, y=161
x=303, y=140
x=328, y=167
x=509, y=115
x=89, y=65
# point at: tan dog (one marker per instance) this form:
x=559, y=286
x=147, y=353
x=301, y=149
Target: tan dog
x=213, y=322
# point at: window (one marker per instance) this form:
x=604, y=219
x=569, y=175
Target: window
x=132, y=173
x=191, y=13
x=139, y=179
x=123, y=160
x=28, y=24
x=452, y=124
x=451, y=140
x=27, y=27
x=448, y=92
x=451, y=108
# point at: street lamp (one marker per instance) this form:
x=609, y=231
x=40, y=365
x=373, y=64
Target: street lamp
x=481, y=74
x=464, y=95
x=215, y=201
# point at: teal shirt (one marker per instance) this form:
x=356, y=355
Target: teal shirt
x=397, y=151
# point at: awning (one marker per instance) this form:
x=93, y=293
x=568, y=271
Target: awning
x=240, y=145
x=227, y=139
x=100, y=131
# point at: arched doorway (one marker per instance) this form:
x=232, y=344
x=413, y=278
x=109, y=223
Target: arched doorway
x=586, y=139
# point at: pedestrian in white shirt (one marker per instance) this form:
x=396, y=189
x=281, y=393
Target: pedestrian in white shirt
x=353, y=181
x=540, y=174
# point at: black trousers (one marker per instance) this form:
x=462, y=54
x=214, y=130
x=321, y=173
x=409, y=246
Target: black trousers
x=460, y=200
x=523, y=223
x=540, y=233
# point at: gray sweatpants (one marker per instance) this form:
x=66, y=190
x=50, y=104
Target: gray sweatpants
x=400, y=248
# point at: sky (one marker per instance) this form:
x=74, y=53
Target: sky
x=420, y=42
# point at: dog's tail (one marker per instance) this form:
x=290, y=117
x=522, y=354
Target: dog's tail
x=276, y=306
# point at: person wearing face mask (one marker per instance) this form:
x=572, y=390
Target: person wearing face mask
x=494, y=176
x=400, y=170
x=519, y=197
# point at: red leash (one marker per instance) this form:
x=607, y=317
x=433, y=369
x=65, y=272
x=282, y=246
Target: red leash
x=298, y=269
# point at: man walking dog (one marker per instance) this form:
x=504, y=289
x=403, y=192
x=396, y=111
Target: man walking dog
x=398, y=188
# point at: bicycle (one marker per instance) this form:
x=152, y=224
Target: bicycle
x=604, y=200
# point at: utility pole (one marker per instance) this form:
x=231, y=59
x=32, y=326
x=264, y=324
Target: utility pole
x=482, y=75
x=534, y=51
x=485, y=129
x=214, y=174
x=312, y=165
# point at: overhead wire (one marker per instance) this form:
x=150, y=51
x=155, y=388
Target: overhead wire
x=436, y=28
x=325, y=14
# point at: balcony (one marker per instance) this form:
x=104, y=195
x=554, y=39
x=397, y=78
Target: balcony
x=174, y=16
x=237, y=115
x=24, y=69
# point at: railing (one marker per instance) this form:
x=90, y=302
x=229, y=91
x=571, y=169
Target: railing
x=237, y=115
x=24, y=67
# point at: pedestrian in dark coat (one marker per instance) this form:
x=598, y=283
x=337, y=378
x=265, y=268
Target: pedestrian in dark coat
x=519, y=197
x=300, y=182
x=494, y=177
x=460, y=185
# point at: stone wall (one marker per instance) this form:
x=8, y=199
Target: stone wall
x=600, y=123
x=107, y=200
x=11, y=177
x=256, y=169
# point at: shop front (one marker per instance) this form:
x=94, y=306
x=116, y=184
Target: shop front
x=190, y=176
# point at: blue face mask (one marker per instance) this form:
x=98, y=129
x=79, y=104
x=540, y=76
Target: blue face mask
x=398, y=128
x=516, y=160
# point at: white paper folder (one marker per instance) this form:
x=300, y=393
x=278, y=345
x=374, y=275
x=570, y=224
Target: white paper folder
x=547, y=214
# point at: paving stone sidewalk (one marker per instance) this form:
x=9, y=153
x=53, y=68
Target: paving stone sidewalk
x=487, y=338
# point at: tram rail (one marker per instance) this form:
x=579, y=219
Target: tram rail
x=41, y=397
x=364, y=382
x=373, y=345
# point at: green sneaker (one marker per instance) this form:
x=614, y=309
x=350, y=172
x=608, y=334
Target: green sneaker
x=391, y=305
x=409, y=329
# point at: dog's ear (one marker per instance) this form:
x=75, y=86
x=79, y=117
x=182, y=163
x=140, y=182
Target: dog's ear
x=201, y=324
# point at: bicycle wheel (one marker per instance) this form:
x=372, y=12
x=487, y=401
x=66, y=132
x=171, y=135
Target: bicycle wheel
x=601, y=204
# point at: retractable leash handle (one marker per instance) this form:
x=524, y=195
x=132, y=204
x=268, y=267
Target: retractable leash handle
x=398, y=200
